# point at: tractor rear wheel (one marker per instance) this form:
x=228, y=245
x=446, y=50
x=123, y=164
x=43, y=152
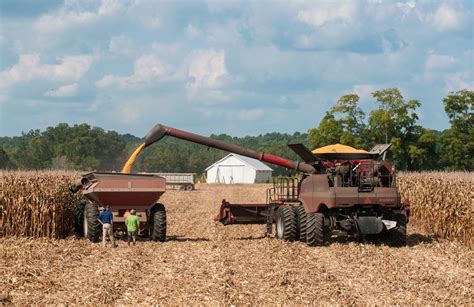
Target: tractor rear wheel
x=317, y=233
x=397, y=237
x=91, y=226
x=285, y=222
x=79, y=218
x=158, y=219
x=301, y=221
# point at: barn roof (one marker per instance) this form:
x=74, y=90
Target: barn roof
x=253, y=163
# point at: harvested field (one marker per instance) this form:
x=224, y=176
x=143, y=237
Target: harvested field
x=206, y=263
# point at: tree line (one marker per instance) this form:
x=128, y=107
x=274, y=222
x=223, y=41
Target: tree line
x=394, y=120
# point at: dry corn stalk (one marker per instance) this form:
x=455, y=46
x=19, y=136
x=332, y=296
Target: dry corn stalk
x=36, y=204
x=441, y=203
x=39, y=203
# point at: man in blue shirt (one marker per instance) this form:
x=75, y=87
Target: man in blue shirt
x=106, y=219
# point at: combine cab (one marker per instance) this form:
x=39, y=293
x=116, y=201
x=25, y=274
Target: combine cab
x=121, y=192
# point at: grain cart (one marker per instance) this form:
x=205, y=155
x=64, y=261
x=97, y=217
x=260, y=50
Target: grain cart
x=121, y=192
x=351, y=194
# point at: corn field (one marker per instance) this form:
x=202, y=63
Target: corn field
x=39, y=204
x=36, y=204
x=441, y=203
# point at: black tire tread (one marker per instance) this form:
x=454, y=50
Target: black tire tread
x=317, y=234
x=79, y=218
x=94, y=229
x=397, y=237
x=289, y=223
x=159, y=223
x=301, y=222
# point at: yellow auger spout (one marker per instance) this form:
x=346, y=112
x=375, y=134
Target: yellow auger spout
x=128, y=166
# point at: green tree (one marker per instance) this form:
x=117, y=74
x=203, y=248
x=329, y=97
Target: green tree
x=458, y=142
x=394, y=121
x=354, y=130
x=329, y=131
x=343, y=123
x=424, y=152
x=5, y=162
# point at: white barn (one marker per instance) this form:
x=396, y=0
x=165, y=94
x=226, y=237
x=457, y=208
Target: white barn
x=235, y=168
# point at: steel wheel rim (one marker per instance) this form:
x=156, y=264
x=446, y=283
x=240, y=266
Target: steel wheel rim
x=85, y=225
x=279, y=227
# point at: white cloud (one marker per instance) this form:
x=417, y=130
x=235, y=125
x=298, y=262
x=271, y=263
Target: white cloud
x=63, y=91
x=192, y=32
x=459, y=80
x=251, y=114
x=122, y=45
x=71, y=14
x=29, y=67
x=407, y=6
x=322, y=12
x=364, y=91
x=447, y=18
x=439, y=62
x=147, y=68
x=206, y=68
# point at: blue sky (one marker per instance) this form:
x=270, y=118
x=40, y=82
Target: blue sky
x=241, y=68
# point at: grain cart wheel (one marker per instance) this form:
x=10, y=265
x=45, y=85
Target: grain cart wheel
x=158, y=222
x=79, y=218
x=301, y=221
x=285, y=222
x=317, y=234
x=397, y=237
x=92, y=227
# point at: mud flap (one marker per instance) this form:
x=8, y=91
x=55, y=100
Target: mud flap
x=369, y=225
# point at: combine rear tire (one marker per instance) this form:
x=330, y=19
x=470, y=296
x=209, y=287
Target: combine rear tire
x=397, y=237
x=92, y=227
x=301, y=221
x=285, y=222
x=79, y=218
x=158, y=219
x=317, y=234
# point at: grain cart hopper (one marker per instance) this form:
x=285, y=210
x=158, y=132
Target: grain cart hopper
x=121, y=192
x=336, y=193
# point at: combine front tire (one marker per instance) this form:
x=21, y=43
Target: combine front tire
x=317, y=233
x=91, y=227
x=397, y=237
x=158, y=219
x=301, y=221
x=285, y=222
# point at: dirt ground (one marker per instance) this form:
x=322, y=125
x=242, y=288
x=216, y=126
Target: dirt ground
x=206, y=263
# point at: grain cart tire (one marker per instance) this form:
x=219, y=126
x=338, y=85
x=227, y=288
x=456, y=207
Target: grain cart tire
x=301, y=221
x=158, y=219
x=317, y=234
x=397, y=237
x=92, y=227
x=285, y=223
x=79, y=218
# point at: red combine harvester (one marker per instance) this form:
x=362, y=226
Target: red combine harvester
x=121, y=192
x=351, y=194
